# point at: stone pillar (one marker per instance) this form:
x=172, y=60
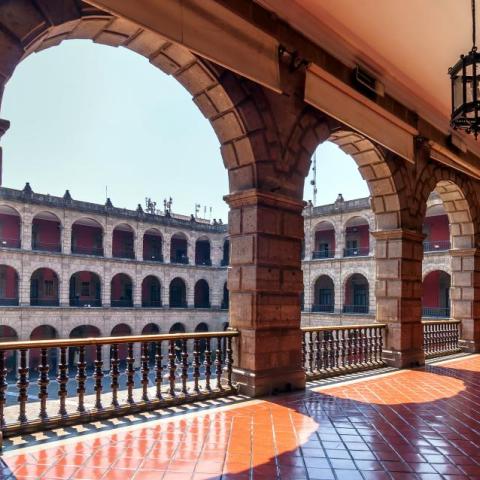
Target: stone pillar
x=138, y=245
x=137, y=289
x=165, y=294
x=399, y=256
x=166, y=248
x=190, y=286
x=216, y=293
x=66, y=237
x=108, y=240
x=265, y=281
x=26, y=230
x=4, y=126
x=465, y=296
x=216, y=252
x=339, y=240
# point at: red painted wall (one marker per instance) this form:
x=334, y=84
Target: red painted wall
x=120, y=240
x=325, y=236
x=146, y=289
x=360, y=233
x=86, y=237
x=10, y=227
x=48, y=232
x=86, y=277
x=437, y=228
x=149, y=241
x=11, y=284
x=118, y=283
x=43, y=276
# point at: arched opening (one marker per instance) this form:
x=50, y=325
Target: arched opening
x=44, y=288
x=87, y=237
x=8, y=334
x=152, y=246
x=226, y=253
x=10, y=222
x=356, y=294
x=121, y=330
x=357, y=238
x=324, y=295
x=43, y=332
x=151, y=329
x=324, y=241
x=436, y=226
x=151, y=292
x=85, y=290
x=436, y=295
x=202, y=252
x=83, y=331
x=202, y=328
x=121, y=291
x=179, y=248
x=123, y=241
x=225, y=298
x=8, y=286
x=202, y=294
x=46, y=232
x=177, y=293
x=178, y=328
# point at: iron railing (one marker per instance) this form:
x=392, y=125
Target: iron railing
x=441, y=337
x=356, y=252
x=436, y=246
x=181, y=260
x=127, y=253
x=9, y=302
x=323, y=308
x=436, y=312
x=316, y=254
x=153, y=258
x=46, y=246
x=44, y=302
x=357, y=309
x=124, y=303
x=6, y=242
x=207, y=262
x=82, y=302
x=331, y=351
x=96, y=251
x=181, y=367
x=152, y=303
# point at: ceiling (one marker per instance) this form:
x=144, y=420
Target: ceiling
x=408, y=44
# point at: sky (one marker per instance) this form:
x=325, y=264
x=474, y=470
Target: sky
x=102, y=121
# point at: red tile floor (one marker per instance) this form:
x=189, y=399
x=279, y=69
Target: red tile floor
x=416, y=424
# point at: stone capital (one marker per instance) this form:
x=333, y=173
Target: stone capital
x=398, y=234
x=255, y=197
x=464, y=252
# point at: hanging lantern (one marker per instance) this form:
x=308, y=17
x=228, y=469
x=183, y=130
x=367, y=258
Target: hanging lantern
x=465, y=77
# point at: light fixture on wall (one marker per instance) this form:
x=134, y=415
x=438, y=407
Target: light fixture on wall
x=465, y=78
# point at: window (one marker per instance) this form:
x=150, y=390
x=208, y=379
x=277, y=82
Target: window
x=49, y=288
x=85, y=289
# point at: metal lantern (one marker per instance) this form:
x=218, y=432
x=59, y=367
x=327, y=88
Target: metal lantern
x=465, y=77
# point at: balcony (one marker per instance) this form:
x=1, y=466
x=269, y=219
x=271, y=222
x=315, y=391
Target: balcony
x=125, y=253
x=10, y=242
x=122, y=303
x=436, y=312
x=323, y=308
x=206, y=262
x=8, y=302
x=46, y=246
x=356, y=252
x=436, y=246
x=77, y=302
x=153, y=258
x=152, y=303
x=356, y=309
x=44, y=302
x=181, y=260
x=318, y=254
x=95, y=251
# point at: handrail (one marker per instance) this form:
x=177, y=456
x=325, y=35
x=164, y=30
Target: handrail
x=342, y=327
x=440, y=322
x=72, y=342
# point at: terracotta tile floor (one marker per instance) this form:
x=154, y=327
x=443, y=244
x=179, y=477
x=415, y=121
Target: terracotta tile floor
x=420, y=424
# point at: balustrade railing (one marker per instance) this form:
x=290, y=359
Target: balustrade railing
x=126, y=253
x=357, y=309
x=152, y=303
x=331, y=351
x=181, y=260
x=323, y=308
x=9, y=302
x=441, y=337
x=153, y=258
x=436, y=246
x=174, y=369
x=85, y=302
x=44, y=302
x=317, y=254
x=96, y=251
x=356, y=252
x=122, y=303
x=436, y=312
x=46, y=246
x=6, y=242
x=206, y=262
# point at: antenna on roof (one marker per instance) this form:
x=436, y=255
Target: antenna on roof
x=313, y=181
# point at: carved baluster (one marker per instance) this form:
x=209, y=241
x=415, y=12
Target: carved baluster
x=208, y=365
x=98, y=377
x=43, y=382
x=114, y=373
x=310, y=352
x=304, y=351
x=343, y=349
x=81, y=378
x=62, y=379
x=229, y=361
x=130, y=373
x=371, y=353
x=145, y=371
x=361, y=346
x=218, y=363
x=380, y=343
x=22, y=385
x=331, y=352
x=196, y=364
x=317, y=351
x=324, y=344
x=172, y=367
x=3, y=387
x=184, y=375
x=158, y=369
x=336, y=348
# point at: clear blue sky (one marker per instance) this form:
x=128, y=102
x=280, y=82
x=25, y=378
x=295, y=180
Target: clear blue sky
x=86, y=116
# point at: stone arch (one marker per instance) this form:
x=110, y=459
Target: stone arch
x=436, y=286
x=202, y=294
x=43, y=332
x=83, y=331
x=46, y=231
x=356, y=294
x=85, y=289
x=356, y=231
x=44, y=288
x=152, y=245
x=178, y=293
x=87, y=236
x=151, y=291
x=9, y=285
x=324, y=239
x=10, y=227
x=323, y=294
x=121, y=290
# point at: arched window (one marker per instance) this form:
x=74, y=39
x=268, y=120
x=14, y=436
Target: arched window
x=202, y=251
x=9, y=227
x=179, y=248
x=46, y=236
x=83, y=331
x=151, y=292
x=324, y=295
x=202, y=294
x=43, y=332
x=436, y=295
x=152, y=246
x=121, y=291
x=44, y=288
x=8, y=286
x=436, y=226
x=178, y=294
x=123, y=241
x=85, y=290
x=357, y=238
x=324, y=241
x=356, y=294
x=87, y=237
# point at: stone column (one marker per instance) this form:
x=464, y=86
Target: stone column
x=108, y=239
x=190, y=286
x=137, y=288
x=216, y=252
x=66, y=237
x=399, y=256
x=4, y=126
x=166, y=248
x=265, y=281
x=465, y=296
x=138, y=245
x=26, y=230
